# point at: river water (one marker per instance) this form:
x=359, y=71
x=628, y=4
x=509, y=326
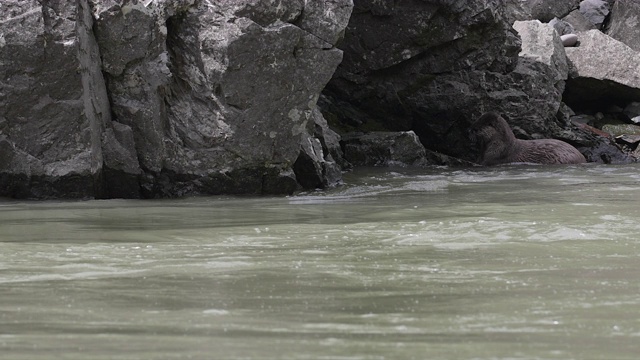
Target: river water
x=512, y=262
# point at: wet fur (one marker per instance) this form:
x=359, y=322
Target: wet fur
x=498, y=145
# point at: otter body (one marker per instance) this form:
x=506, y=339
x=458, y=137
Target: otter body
x=498, y=145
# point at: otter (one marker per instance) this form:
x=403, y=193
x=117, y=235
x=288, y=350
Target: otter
x=498, y=145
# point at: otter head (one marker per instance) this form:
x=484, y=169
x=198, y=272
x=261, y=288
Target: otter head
x=493, y=139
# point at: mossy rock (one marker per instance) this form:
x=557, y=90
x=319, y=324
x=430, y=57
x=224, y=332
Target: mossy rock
x=625, y=129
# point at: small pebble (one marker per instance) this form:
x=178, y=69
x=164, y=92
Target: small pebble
x=569, y=40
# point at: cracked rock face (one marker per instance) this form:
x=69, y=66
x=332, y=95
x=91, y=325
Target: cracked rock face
x=48, y=146
x=164, y=98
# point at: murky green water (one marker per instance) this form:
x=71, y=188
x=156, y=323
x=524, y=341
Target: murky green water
x=503, y=263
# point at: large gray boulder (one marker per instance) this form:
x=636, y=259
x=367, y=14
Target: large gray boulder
x=602, y=71
x=222, y=96
x=541, y=44
x=575, y=15
x=624, y=23
x=171, y=98
x=422, y=66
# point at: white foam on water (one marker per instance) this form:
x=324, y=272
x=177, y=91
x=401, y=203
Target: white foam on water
x=217, y=312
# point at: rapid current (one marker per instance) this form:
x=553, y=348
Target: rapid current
x=510, y=262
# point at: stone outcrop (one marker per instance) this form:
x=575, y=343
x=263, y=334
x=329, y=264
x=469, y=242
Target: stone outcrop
x=150, y=98
x=588, y=15
x=130, y=98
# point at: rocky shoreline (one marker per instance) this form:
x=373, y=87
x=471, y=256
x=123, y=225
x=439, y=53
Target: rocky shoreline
x=168, y=98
